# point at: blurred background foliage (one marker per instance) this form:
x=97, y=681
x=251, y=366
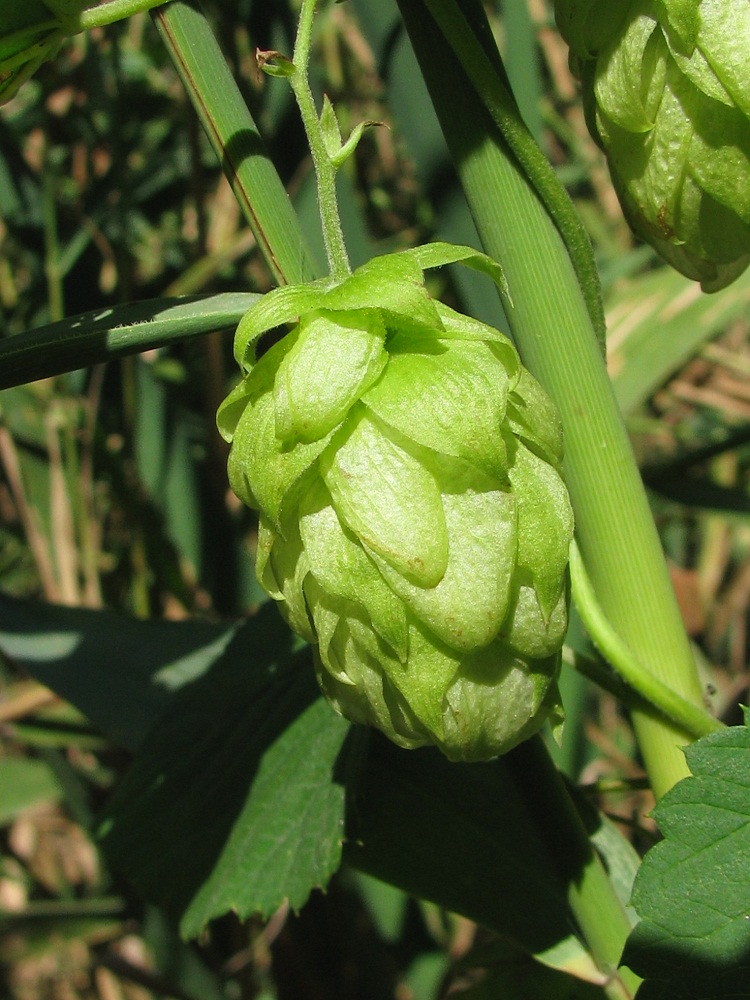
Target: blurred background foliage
x=113, y=488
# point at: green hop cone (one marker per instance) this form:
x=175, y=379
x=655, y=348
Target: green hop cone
x=666, y=85
x=414, y=525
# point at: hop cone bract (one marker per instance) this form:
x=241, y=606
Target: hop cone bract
x=414, y=525
x=666, y=84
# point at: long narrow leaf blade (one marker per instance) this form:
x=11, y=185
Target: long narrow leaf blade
x=657, y=323
x=105, y=334
x=236, y=141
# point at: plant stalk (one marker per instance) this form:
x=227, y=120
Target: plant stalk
x=599, y=913
x=234, y=136
x=325, y=172
x=554, y=334
x=689, y=717
x=99, y=14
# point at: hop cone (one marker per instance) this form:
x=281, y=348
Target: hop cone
x=667, y=91
x=413, y=522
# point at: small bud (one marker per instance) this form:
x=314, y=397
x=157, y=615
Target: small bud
x=329, y=126
x=274, y=63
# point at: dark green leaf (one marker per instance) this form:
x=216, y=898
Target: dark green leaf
x=236, y=800
x=463, y=836
x=118, y=671
x=386, y=905
x=693, y=889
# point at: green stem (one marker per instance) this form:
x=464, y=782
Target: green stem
x=325, y=171
x=553, y=330
x=599, y=913
x=101, y=335
x=490, y=82
x=691, y=718
x=235, y=138
x=104, y=12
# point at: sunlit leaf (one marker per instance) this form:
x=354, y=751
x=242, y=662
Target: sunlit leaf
x=693, y=889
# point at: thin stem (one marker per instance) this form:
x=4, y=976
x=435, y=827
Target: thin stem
x=52, y=243
x=301, y=57
x=691, y=718
x=325, y=171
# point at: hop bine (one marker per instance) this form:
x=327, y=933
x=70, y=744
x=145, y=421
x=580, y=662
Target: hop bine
x=414, y=524
x=666, y=88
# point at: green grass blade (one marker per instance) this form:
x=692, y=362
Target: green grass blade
x=657, y=322
x=105, y=334
x=236, y=140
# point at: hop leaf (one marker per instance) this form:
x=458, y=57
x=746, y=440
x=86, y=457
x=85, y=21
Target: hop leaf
x=414, y=525
x=667, y=93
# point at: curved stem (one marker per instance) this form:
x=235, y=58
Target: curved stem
x=325, y=171
x=691, y=718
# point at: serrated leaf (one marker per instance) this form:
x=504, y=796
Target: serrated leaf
x=460, y=835
x=693, y=890
x=236, y=800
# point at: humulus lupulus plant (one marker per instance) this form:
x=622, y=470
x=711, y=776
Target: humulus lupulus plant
x=414, y=523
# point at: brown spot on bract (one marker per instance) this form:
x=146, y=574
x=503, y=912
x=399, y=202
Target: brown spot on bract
x=661, y=218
